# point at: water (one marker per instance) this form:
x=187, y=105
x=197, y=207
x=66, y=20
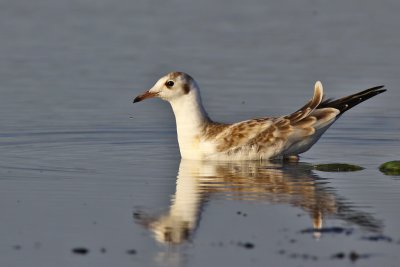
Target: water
x=80, y=166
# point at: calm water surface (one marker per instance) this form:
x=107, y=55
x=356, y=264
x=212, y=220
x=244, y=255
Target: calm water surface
x=81, y=167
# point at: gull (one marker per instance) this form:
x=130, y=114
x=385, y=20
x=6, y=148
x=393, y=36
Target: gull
x=284, y=137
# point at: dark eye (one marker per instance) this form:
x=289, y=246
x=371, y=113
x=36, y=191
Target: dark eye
x=169, y=84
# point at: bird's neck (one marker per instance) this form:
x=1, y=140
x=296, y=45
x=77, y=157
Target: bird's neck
x=191, y=119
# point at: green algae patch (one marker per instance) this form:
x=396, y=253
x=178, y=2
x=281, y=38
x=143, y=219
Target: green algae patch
x=337, y=167
x=390, y=167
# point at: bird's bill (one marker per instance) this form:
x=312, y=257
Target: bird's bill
x=144, y=96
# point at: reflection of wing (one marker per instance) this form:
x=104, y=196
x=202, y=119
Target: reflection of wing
x=293, y=184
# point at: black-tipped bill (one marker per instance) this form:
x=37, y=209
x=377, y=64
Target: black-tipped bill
x=144, y=96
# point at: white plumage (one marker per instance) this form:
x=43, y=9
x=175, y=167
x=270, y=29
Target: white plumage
x=201, y=138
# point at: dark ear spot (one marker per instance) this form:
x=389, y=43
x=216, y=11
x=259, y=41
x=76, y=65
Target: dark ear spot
x=186, y=88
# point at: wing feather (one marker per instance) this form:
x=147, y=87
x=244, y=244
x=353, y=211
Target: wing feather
x=274, y=134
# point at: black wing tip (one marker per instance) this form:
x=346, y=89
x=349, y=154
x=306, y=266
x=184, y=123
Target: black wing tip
x=346, y=103
x=378, y=89
x=382, y=88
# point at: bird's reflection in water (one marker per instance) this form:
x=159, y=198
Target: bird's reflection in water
x=285, y=183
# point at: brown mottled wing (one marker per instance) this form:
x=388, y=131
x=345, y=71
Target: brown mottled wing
x=291, y=134
x=266, y=133
x=287, y=129
x=236, y=135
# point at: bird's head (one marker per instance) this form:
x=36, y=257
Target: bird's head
x=172, y=86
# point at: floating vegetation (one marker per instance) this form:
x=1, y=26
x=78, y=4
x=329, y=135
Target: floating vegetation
x=337, y=167
x=390, y=167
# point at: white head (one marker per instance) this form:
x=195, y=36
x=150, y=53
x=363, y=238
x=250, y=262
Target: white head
x=182, y=92
x=172, y=86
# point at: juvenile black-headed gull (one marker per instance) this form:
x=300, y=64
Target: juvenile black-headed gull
x=263, y=138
